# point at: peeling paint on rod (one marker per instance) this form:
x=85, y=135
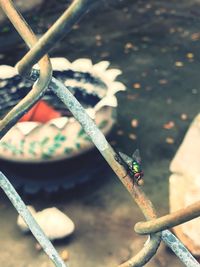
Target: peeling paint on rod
x=179, y=249
x=32, y=224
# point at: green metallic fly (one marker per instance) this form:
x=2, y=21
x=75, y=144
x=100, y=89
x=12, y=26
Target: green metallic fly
x=134, y=165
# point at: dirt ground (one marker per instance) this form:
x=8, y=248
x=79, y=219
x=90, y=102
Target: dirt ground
x=156, y=44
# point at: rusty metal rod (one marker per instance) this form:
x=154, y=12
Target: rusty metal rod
x=110, y=156
x=143, y=256
x=45, y=70
x=145, y=205
x=143, y=202
x=69, y=17
x=103, y=146
x=169, y=220
x=57, y=31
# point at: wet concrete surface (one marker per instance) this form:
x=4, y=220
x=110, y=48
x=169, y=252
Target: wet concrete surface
x=156, y=44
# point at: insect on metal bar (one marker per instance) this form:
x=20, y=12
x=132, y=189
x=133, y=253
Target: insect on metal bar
x=134, y=166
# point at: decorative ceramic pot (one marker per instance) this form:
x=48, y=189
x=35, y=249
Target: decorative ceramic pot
x=61, y=137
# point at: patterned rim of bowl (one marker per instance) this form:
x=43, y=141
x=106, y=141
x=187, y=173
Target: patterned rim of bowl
x=94, y=85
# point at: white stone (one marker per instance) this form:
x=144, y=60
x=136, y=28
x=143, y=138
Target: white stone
x=54, y=223
x=185, y=180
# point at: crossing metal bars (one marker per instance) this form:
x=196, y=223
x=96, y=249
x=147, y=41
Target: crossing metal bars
x=155, y=227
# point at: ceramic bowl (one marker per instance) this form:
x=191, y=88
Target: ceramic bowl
x=94, y=86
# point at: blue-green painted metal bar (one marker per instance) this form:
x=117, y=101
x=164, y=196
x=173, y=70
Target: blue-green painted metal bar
x=179, y=249
x=32, y=224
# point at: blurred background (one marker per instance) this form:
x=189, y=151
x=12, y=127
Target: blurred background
x=156, y=45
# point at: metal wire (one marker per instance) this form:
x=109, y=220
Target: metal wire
x=38, y=50
x=45, y=70
x=109, y=153
x=179, y=249
x=110, y=156
x=138, y=195
x=57, y=31
x=169, y=220
x=32, y=224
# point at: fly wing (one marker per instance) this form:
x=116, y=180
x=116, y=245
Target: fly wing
x=136, y=156
x=127, y=159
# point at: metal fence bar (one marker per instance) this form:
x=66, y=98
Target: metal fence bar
x=143, y=202
x=179, y=249
x=99, y=140
x=169, y=220
x=56, y=32
x=32, y=224
x=110, y=156
x=109, y=153
x=145, y=254
x=45, y=70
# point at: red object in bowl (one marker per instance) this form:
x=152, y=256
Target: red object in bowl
x=41, y=112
